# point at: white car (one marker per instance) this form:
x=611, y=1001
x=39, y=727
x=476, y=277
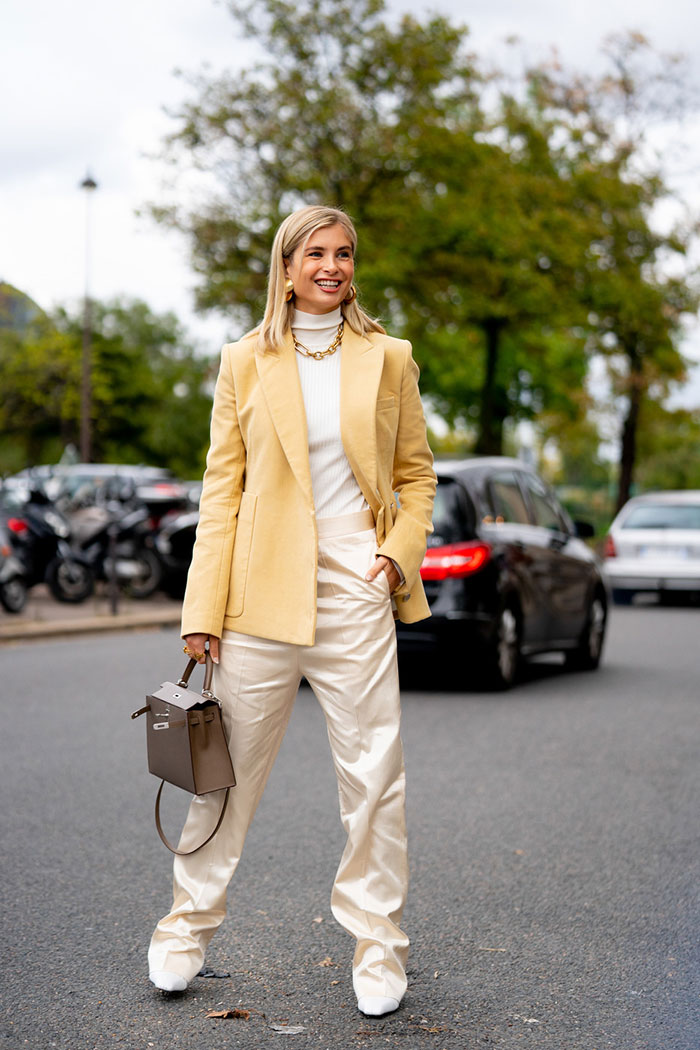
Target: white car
x=653, y=546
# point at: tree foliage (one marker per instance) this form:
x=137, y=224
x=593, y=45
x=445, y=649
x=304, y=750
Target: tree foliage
x=639, y=284
x=467, y=248
x=149, y=389
x=505, y=225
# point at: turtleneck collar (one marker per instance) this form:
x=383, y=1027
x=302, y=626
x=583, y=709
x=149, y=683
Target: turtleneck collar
x=309, y=322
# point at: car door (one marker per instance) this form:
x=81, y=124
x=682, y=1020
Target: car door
x=567, y=573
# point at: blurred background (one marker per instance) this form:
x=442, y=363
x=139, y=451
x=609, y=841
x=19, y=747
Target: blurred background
x=524, y=179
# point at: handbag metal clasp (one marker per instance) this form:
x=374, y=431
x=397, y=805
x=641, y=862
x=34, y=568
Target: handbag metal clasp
x=210, y=696
x=161, y=725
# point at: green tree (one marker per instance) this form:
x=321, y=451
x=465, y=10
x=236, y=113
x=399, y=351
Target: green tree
x=151, y=400
x=638, y=284
x=470, y=244
x=669, y=448
x=502, y=225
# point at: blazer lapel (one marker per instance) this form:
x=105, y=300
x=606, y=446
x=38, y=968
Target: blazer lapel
x=279, y=377
x=360, y=372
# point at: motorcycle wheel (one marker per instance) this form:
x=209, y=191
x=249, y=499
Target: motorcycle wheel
x=69, y=581
x=13, y=595
x=148, y=580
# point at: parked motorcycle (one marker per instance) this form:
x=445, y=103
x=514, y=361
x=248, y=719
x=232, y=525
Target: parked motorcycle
x=118, y=541
x=174, y=542
x=13, y=585
x=40, y=535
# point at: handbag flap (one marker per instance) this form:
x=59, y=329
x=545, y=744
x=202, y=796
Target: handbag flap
x=179, y=696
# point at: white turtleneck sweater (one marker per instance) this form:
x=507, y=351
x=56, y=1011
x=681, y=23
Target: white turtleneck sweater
x=334, y=485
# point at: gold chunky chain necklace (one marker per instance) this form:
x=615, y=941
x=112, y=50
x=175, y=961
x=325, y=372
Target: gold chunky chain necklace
x=318, y=354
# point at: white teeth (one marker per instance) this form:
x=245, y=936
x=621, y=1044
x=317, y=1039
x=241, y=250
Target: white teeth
x=328, y=284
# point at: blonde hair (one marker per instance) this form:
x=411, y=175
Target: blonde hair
x=293, y=232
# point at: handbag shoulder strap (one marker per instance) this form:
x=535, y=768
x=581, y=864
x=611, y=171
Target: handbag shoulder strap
x=187, y=852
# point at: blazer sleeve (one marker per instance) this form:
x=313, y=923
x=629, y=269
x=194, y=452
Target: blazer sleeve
x=413, y=480
x=207, y=588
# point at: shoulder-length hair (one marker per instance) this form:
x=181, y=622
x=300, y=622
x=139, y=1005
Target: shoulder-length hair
x=296, y=230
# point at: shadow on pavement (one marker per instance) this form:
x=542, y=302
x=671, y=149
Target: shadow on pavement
x=420, y=673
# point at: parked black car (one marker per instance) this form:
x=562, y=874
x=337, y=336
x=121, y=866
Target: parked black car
x=506, y=575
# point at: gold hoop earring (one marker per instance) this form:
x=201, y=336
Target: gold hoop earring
x=288, y=289
x=351, y=296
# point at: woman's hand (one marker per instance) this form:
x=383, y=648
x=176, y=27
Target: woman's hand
x=196, y=643
x=386, y=566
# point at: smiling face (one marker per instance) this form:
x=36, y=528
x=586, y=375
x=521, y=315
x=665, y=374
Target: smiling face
x=322, y=270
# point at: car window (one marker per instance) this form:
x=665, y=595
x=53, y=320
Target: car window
x=663, y=516
x=507, y=501
x=544, y=505
x=452, y=514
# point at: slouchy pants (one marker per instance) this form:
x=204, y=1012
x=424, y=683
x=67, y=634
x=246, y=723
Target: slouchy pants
x=353, y=672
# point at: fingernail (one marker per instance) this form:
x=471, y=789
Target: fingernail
x=215, y=659
x=368, y=576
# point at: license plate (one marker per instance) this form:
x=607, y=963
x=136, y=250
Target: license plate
x=664, y=553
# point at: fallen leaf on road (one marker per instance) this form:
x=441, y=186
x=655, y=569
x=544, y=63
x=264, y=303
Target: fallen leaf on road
x=242, y=1015
x=319, y=918
x=292, y=1029
x=326, y=962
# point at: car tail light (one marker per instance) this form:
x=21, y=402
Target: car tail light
x=17, y=525
x=168, y=488
x=454, y=560
x=609, y=548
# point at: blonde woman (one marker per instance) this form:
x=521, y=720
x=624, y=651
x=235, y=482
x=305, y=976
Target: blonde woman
x=302, y=559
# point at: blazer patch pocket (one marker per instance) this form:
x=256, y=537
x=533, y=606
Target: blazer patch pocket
x=241, y=553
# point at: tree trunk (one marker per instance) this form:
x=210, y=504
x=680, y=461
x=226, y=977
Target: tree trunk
x=493, y=412
x=628, y=448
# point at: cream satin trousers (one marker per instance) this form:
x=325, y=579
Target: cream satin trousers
x=353, y=672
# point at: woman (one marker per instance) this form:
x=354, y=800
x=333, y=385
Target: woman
x=301, y=553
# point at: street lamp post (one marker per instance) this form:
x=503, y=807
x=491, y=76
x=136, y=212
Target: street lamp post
x=88, y=184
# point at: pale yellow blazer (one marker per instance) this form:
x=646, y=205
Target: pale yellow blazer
x=254, y=562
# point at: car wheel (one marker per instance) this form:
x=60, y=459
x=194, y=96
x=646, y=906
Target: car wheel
x=622, y=597
x=13, y=595
x=586, y=656
x=503, y=654
x=69, y=581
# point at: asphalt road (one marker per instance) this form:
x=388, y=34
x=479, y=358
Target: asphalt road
x=554, y=841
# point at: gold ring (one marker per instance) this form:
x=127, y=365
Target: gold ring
x=192, y=653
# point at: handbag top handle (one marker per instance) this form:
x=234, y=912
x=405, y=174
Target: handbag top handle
x=208, y=674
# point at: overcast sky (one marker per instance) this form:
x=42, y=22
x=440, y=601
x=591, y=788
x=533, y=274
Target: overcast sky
x=84, y=84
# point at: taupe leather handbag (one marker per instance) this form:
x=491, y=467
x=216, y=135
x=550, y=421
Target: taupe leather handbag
x=186, y=743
